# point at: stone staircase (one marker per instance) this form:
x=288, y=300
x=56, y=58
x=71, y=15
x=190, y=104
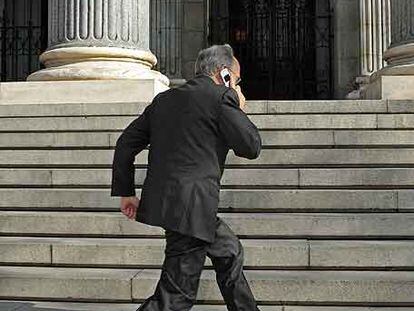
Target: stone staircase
x=325, y=213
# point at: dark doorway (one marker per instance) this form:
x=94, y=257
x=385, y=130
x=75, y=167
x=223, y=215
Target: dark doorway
x=23, y=37
x=284, y=46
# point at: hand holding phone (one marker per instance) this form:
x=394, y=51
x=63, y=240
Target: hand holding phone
x=242, y=99
x=225, y=76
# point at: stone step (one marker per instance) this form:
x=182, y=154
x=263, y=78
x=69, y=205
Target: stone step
x=71, y=109
x=384, y=177
x=253, y=225
x=329, y=106
x=269, y=138
x=102, y=177
x=267, y=177
x=331, y=138
x=136, y=252
x=246, y=199
x=133, y=108
x=374, y=137
x=31, y=305
x=396, y=121
x=95, y=252
x=291, y=286
x=275, y=157
x=360, y=287
x=301, y=121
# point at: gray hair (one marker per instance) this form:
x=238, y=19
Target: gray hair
x=213, y=58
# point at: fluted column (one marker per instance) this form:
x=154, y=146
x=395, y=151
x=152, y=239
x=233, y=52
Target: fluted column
x=375, y=34
x=396, y=79
x=400, y=55
x=98, y=39
x=375, y=37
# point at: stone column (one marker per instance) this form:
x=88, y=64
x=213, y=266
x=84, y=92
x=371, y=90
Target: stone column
x=98, y=40
x=396, y=80
x=400, y=55
x=375, y=34
x=375, y=37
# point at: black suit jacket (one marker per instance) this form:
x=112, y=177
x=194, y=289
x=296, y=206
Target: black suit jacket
x=190, y=130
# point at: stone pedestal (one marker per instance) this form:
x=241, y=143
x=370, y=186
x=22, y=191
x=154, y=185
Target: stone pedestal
x=396, y=80
x=99, y=40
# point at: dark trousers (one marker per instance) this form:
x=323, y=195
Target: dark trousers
x=184, y=260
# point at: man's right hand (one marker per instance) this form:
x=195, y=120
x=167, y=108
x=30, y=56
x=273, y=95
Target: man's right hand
x=129, y=206
x=237, y=88
x=242, y=99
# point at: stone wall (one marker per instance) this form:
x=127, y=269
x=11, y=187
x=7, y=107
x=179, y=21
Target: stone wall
x=346, y=58
x=194, y=33
x=178, y=32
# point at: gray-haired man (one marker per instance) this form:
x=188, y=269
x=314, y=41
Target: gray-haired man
x=190, y=130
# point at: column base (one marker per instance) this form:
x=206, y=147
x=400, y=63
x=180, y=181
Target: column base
x=98, y=70
x=390, y=87
x=395, y=81
x=97, y=63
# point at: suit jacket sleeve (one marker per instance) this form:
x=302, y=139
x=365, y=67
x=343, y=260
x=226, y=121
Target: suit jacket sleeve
x=133, y=140
x=238, y=131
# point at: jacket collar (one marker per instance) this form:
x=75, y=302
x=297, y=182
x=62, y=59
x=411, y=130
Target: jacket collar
x=204, y=78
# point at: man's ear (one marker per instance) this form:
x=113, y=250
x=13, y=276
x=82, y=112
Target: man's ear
x=217, y=78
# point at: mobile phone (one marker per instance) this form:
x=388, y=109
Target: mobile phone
x=225, y=76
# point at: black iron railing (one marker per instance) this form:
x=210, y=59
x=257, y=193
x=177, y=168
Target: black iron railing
x=23, y=37
x=284, y=46
x=166, y=18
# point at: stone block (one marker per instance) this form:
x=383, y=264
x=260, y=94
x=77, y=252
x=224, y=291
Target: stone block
x=328, y=106
x=80, y=91
x=406, y=200
x=391, y=87
x=74, y=284
x=384, y=254
x=384, y=177
x=401, y=106
x=374, y=137
x=297, y=138
x=396, y=121
x=13, y=177
x=25, y=250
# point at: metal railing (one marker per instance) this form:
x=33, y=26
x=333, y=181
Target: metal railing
x=23, y=37
x=284, y=46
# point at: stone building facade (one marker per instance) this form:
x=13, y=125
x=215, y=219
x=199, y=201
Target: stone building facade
x=289, y=49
